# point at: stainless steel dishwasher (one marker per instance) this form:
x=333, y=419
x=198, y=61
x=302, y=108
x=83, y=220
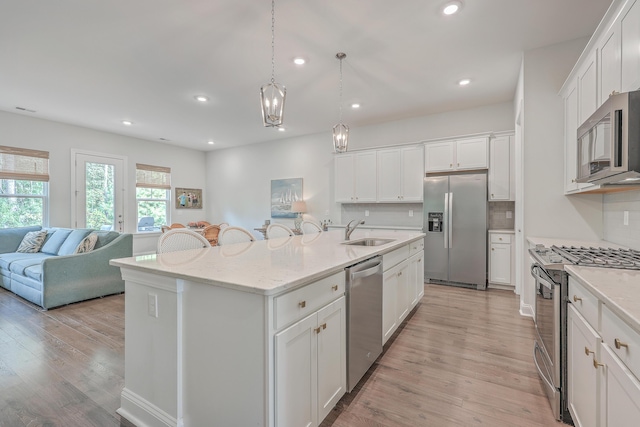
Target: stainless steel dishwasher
x=364, y=317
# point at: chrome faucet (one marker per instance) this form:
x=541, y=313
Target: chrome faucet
x=348, y=230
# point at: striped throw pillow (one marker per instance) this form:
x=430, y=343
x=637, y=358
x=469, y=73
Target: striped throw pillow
x=87, y=244
x=32, y=241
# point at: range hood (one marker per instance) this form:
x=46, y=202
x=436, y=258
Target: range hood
x=623, y=178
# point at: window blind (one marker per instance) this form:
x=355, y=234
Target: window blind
x=149, y=176
x=22, y=163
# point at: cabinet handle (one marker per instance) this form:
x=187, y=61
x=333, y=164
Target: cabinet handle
x=492, y=195
x=619, y=344
x=323, y=326
x=587, y=351
x=399, y=273
x=573, y=180
x=576, y=298
x=334, y=287
x=500, y=238
x=302, y=304
x=493, y=249
x=318, y=329
x=420, y=260
x=596, y=363
x=450, y=165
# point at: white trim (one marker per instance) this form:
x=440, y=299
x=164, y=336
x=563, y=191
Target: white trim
x=142, y=413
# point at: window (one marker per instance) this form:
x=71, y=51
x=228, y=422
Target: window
x=153, y=196
x=24, y=187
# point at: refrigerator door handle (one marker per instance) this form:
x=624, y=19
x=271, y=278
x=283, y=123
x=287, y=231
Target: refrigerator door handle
x=450, y=220
x=445, y=221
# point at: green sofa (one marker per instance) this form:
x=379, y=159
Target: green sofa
x=56, y=275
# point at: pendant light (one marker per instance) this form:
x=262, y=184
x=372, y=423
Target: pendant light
x=272, y=95
x=340, y=131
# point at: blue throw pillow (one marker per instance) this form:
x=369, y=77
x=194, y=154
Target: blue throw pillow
x=71, y=243
x=55, y=240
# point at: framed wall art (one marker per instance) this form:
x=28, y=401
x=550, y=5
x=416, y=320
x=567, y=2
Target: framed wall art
x=283, y=193
x=188, y=198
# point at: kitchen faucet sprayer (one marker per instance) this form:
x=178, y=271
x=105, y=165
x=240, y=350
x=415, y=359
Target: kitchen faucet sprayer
x=348, y=230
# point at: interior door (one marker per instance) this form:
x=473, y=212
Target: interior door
x=468, y=237
x=99, y=192
x=436, y=254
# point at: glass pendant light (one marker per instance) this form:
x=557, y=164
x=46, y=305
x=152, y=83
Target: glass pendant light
x=272, y=95
x=340, y=131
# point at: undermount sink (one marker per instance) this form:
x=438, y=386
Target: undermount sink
x=368, y=242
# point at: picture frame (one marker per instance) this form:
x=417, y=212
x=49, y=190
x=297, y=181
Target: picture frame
x=188, y=198
x=283, y=193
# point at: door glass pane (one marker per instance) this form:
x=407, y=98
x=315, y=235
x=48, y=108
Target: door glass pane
x=100, y=201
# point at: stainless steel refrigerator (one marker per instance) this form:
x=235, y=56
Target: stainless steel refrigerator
x=455, y=224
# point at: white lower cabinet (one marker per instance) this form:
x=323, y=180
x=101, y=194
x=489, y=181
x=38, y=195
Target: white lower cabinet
x=310, y=367
x=416, y=279
x=583, y=344
x=501, y=257
x=619, y=391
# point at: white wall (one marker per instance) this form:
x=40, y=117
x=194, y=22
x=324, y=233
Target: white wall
x=187, y=166
x=547, y=211
x=239, y=179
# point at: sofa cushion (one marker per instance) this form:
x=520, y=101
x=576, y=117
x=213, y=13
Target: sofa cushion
x=87, y=244
x=73, y=240
x=34, y=272
x=32, y=241
x=19, y=265
x=55, y=240
x=10, y=238
x=7, y=259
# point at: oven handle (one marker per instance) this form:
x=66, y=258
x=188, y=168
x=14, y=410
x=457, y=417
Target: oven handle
x=542, y=276
x=536, y=348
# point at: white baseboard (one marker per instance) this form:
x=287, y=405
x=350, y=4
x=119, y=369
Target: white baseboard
x=142, y=413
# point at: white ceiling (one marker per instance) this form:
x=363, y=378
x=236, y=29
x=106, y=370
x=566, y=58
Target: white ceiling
x=95, y=63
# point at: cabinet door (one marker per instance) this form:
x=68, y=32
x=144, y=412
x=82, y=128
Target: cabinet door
x=609, y=63
x=500, y=168
x=344, y=178
x=630, y=40
x=583, y=344
x=390, y=175
x=296, y=374
x=412, y=174
x=620, y=393
x=439, y=156
x=403, y=300
x=500, y=263
x=416, y=279
x=571, y=139
x=472, y=153
x=332, y=356
x=365, y=177
x=587, y=89
x=389, y=303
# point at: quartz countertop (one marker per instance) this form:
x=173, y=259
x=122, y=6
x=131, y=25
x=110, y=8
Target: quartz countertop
x=559, y=241
x=380, y=227
x=271, y=266
x=618, y=289
x=502, y=230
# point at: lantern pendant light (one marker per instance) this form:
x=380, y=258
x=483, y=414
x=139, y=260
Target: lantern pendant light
x=340, y=131
x=272, y=95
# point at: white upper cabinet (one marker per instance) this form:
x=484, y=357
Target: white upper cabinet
x=400, y=172
x=355, y=177
x=501, y=168
x=630, y=46
x=461, y=154
x=587, y=89
x=609, y=63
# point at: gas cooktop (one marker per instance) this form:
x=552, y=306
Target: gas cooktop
x=600, y=257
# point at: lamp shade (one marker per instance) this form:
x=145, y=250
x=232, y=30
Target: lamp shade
x=300, y=206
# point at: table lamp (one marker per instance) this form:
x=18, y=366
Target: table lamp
x=298, y=207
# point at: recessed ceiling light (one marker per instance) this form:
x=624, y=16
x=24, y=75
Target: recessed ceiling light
x=281, y=129
x=127, y=122
x=464, y=82
x=355, y=105
x=211, y=143
x=201, y=98
x=299, y=61
x=452, y=7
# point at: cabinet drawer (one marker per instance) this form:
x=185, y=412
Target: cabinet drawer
x=500, y=237
x=614, y=330
x=307, y=299
x=585, y=302
x=416, y=247
x=395, y=257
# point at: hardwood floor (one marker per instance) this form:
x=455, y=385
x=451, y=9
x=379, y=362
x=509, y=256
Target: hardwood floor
x=463, y=358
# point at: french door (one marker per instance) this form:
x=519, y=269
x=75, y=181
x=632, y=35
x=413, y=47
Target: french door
x=99, y=191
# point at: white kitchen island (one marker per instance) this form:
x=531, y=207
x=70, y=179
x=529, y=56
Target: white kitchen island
x=241, y=335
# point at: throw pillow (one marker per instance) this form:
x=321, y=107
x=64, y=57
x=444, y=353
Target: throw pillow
x=87, y=244
x=32, y=241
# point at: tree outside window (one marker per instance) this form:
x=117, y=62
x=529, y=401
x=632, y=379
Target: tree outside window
x=153, y=197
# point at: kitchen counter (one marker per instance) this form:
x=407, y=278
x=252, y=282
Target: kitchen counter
x=559, y=241
x=507, y=231
x=379, y=227
x=268, y=267
x=618, y=289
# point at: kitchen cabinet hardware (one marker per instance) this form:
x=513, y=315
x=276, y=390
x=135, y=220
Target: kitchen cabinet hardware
x=320, y=328
x=334, y=287
x=587, y=351
x=619, y=344
x=596, y=363
x=302, y=304
x=576, y=298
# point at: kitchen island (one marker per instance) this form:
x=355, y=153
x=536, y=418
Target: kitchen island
x=250, y=334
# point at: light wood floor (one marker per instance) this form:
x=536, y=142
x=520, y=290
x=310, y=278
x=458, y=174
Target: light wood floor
x=464, y=358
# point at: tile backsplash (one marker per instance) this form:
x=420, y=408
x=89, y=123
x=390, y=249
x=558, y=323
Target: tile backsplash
x=616, y=208
x=499, y=213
